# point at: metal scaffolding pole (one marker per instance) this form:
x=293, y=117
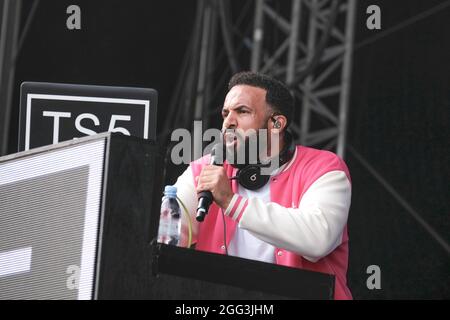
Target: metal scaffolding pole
x=194, y=86
x=293, y=39
x=313, y=58
x=317, y=69
x=307, y=88
x=324, y=90
x=346, y=78
x=258, y=33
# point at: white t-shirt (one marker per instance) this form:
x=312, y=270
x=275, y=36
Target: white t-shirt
x=244, y=244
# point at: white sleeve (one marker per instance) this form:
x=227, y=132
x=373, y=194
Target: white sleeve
x=187, y=194
x=314, y=229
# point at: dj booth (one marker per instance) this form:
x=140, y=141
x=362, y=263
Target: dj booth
x=78, y=220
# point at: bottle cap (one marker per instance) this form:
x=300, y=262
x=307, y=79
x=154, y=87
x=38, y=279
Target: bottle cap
x=170, y=191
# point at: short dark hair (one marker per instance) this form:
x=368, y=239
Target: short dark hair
x=278, y=95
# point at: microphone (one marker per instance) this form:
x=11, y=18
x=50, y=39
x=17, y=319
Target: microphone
x=205, y=198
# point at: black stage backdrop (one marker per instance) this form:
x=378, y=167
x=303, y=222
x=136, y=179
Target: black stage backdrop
x=399, y=116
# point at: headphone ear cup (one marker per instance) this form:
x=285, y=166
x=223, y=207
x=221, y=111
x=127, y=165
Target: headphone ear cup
x=250, y=177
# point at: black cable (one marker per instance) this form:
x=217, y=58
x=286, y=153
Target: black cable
x=224, y=233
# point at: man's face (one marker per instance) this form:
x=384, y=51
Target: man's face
x=244, y=108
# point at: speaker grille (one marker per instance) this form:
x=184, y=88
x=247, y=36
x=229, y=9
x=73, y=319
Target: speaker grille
x=49, y=214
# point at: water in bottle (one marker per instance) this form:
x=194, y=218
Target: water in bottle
x=170, y=218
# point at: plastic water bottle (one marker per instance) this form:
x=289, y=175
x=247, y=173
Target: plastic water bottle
x=170, y=218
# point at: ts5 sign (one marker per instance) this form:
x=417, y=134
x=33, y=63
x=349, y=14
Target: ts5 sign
x=51, y=113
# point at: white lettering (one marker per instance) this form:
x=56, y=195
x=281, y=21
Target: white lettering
x=74, y=20
x=56, y=115
x=374, y=21
x=82, y=129
x=112, y=123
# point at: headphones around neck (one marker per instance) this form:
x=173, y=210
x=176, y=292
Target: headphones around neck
x=250, y=176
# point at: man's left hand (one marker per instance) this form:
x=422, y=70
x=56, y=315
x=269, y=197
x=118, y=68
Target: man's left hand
x=215, y=179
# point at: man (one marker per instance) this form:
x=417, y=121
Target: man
x=298, y=218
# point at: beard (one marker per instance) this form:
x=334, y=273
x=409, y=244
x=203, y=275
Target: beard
x=243, y=149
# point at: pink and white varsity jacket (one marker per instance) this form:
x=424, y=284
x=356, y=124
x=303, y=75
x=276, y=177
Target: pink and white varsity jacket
x=306, y=219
